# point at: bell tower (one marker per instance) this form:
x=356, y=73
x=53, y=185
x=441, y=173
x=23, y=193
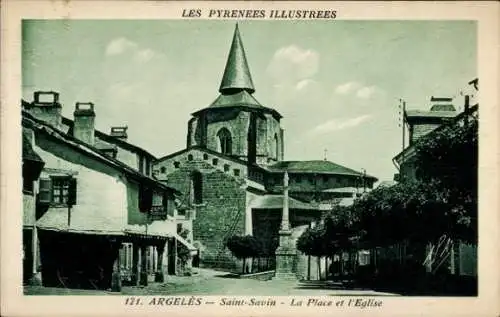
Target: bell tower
x=236, y=124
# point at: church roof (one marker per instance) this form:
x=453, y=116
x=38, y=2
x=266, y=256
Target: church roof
x=237, y=87
x=236, y=74
x=314, y=166
x=241, y=99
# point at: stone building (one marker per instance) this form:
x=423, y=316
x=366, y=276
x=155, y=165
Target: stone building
x=231, y=172
x=459, y=258
x=94, y=216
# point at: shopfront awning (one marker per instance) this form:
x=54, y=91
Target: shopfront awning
x=56, y=219
x=162, y=229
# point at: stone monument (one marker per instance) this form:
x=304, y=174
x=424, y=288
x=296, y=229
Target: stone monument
x=286, y=251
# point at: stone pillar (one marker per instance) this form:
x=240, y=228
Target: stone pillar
x=286, y=251
x=160, y=267
x=136, y=264
x=116, y=279
x=35, y=279
x=248, y=225
x=143, y=276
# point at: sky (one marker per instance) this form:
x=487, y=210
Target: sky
x=336, y=83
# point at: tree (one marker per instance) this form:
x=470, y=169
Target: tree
x=448, y=161
x=313, y=242
x=335, y=233
x=441, y=201
x=244, y=247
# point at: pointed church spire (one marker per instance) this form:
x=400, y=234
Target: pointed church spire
x=236, y=74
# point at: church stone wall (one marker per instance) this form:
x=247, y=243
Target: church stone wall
x=193, y=136
x=237, y=126
x=268, y=148
x=221, y=213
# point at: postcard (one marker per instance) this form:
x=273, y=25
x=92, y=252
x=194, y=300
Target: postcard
x=249, y=158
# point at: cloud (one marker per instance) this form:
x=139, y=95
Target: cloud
x=339, y=124
x=144, y=55
x=123, y=45
x=119, y=45
x=359, y=90
x=293, y=62
x=346, y=88
x=366, y=92
x=303, y=84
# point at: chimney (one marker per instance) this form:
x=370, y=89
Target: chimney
x=46, y=107
x=442, y=104
x=119, y=133
x=84, y=117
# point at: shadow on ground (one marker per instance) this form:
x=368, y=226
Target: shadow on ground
x=228, y=275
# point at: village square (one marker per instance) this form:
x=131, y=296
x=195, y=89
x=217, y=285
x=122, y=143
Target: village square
x=228, y=214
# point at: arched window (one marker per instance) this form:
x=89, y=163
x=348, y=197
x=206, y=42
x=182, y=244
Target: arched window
x=225, y=141
x=276, y=147
x=196, y=188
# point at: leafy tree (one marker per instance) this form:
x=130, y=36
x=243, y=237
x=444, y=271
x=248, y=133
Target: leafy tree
x=335, y=233
x=244, y=247
x=448, y=161
x=442, y=200
x=312, y=242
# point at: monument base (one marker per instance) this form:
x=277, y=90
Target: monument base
x=285, y=257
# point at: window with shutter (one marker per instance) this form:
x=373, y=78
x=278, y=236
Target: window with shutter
x=63, y=191
x=45, y=191
x=72, y=192
x=145, y=199
x=57, y=190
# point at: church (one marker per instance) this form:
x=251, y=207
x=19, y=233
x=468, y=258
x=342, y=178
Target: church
x=230, y=175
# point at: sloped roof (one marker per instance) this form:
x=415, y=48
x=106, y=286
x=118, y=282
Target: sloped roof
x=430, y=114
x=237, y=86
x=156, y=228
x=409, y=151
x=101, y=145
x=314, y=166
x=341, y=190
x=276, y=202
x=83, y=147
x=108, y=138
x=236, y=73
x=56, y=219
x=241, y=99
x=443, y=107
x=28, y=153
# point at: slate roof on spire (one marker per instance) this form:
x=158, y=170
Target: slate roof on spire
x=236, y=74
x=236, y=88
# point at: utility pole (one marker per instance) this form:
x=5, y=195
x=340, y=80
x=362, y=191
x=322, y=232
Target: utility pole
x=466, y=109
x=402, y=112
x=364, y=180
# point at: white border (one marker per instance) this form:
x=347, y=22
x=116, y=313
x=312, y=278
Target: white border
x=15, y=304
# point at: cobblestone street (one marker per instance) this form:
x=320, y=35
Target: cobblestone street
x=209, y=282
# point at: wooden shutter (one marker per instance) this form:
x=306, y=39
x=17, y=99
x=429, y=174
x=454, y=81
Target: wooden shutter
x=72, y=192
x=45, y=192
x=145, y=199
